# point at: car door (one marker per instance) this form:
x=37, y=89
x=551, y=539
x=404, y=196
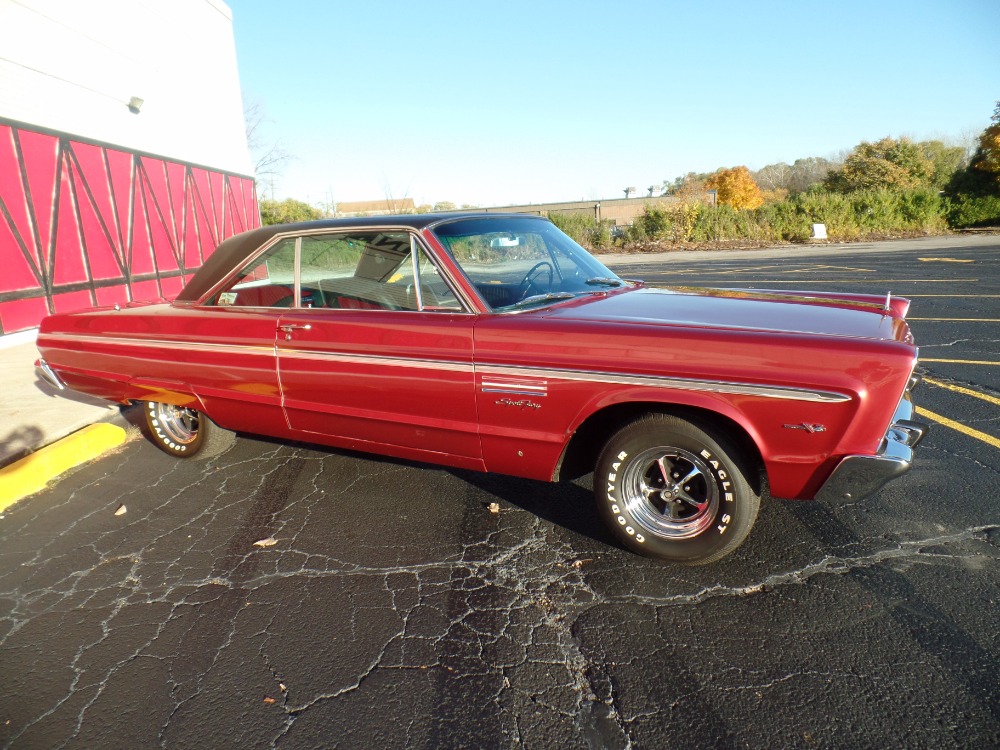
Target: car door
x=376, y=349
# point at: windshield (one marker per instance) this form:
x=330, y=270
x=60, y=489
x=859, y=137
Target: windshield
x=517, y=262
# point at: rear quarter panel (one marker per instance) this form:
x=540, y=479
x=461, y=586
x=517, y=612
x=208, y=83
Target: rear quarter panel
x=220, y=360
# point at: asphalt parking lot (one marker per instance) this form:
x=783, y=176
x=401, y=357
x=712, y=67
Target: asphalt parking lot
x=288, y=596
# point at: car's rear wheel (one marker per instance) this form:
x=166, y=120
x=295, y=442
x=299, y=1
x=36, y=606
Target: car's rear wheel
x=671, y=489
x=185, y=432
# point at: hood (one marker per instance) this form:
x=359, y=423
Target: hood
x=855, y=316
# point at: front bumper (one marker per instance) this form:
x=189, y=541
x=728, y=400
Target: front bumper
x=857, y=477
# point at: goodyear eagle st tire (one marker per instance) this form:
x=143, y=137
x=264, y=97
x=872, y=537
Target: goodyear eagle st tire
x=670, y=489
x=184, y=432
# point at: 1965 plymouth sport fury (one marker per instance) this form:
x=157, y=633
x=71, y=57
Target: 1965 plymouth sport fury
x=495, y=343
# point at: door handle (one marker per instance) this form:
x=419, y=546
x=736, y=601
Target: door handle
x=293, y=327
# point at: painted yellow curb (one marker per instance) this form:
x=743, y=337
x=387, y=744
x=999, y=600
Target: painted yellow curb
x=33, y=472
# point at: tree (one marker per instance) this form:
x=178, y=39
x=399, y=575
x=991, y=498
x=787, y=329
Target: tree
x=773, y=176
x=987, y=158
x=736, y=188
x=286, y=211
x=974, y=192
x=888, y=163
x=945, y=161
x=268, y=157
x=689, y=185
x=689, y=188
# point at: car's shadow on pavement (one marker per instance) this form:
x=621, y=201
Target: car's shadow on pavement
x=569, y=505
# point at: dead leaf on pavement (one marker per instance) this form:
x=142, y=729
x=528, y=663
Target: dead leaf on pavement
x=269, y=542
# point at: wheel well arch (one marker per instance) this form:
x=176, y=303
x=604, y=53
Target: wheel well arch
x=580, y=454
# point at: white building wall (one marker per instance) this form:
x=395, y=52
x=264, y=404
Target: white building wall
x=74, y=65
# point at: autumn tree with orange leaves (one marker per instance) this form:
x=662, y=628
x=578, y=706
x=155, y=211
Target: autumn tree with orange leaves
x=988, y=155
x=736, y=188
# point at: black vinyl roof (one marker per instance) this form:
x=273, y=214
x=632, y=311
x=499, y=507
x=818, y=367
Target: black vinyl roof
x=232, y=252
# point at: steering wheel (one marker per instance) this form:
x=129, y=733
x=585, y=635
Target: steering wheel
x=529, y=278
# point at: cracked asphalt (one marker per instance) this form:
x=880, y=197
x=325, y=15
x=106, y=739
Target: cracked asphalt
x=394, y=609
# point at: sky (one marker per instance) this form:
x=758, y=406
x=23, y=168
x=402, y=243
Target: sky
x=528, y=102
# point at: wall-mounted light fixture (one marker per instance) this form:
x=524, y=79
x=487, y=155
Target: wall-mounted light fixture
x=134, y=105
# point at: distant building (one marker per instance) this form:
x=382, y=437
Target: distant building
x=616, y=210
x=123, y=155
x=376, y=208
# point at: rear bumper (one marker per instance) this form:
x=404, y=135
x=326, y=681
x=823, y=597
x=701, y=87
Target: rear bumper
x=857, y=477
x=47, y=374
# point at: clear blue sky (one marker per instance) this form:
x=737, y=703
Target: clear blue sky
x=517, y=102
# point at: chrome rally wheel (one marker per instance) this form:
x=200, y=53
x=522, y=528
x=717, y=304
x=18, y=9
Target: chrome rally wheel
x=670, y=492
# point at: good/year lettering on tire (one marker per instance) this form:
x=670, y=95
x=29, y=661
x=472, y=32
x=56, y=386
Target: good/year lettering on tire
x=185, y=432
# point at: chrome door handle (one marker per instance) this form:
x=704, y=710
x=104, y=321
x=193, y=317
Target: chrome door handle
x=293, y=327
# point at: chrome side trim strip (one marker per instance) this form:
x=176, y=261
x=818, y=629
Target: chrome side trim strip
x=364, y=359
x=656, y=381
x=535, y=376
x=519, y=388
x=162, y=344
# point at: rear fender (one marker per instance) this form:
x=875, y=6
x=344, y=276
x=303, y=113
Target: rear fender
x=172, y=392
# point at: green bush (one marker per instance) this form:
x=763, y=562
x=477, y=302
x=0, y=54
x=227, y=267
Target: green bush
x=785, y=220
x=870, y=213
x=286, y=211
x=584, y=228
x=974, y=211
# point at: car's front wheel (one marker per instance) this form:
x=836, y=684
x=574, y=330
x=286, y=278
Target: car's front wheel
x=184, y=432
x=670, y=489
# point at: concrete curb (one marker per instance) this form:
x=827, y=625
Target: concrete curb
x=31, y=473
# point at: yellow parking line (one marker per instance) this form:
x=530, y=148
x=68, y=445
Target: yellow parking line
x=947, y=260
x=960, y=389
x=988, y=439
x=962, y=362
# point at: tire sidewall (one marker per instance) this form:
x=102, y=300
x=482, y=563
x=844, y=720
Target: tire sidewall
x=164, y=442
x=737, y=505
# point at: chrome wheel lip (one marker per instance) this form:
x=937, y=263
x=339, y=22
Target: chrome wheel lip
x=178, y=423
x=695, y=502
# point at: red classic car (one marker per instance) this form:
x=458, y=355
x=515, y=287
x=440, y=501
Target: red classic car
x=496, y=343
